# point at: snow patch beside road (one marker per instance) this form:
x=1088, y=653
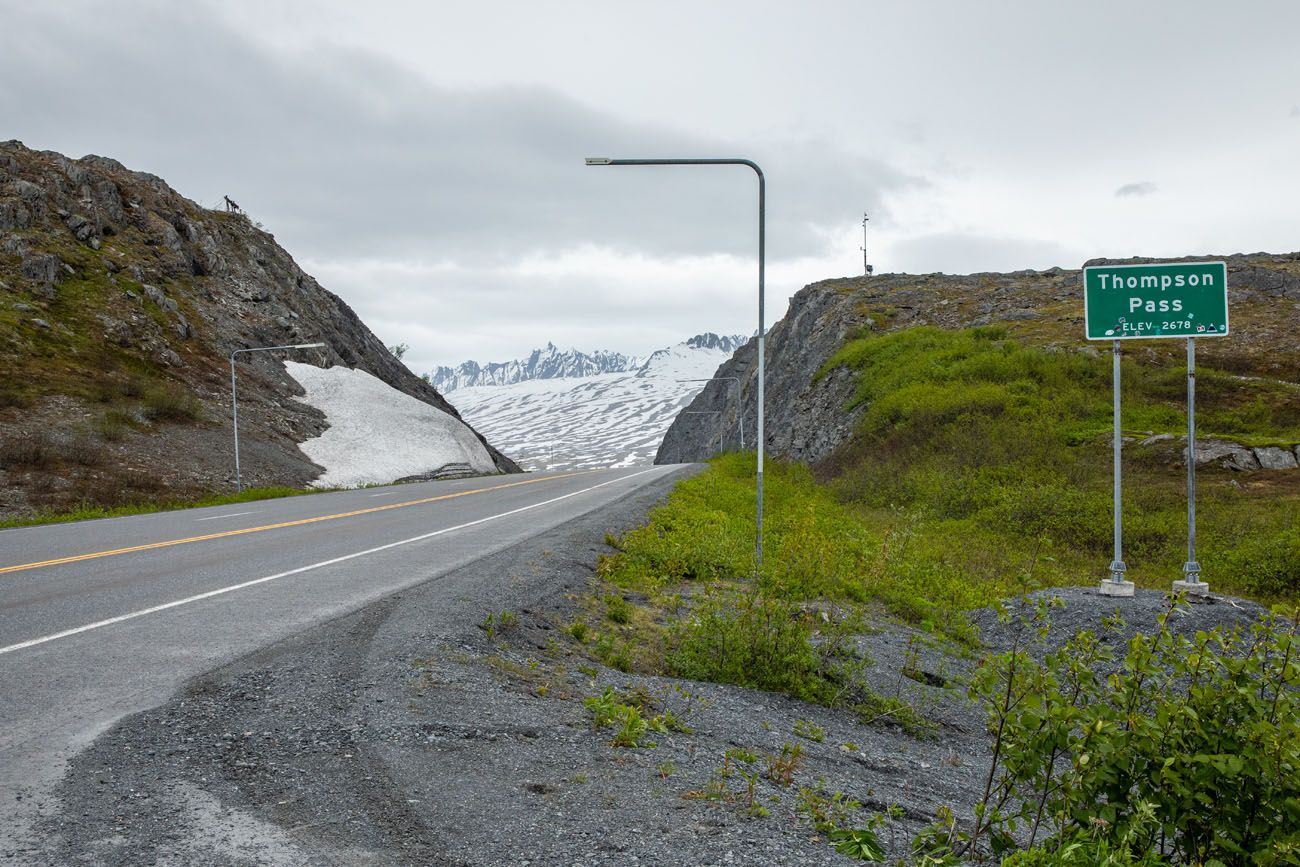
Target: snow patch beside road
x=378, y=434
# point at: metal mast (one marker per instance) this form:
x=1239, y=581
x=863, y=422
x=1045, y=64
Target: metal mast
x=866, y=268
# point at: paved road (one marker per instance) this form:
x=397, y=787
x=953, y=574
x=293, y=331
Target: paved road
x=105, y=618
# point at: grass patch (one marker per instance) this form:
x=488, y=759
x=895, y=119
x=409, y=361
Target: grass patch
x=985, y=451
x=88, y=513
x=980, y=468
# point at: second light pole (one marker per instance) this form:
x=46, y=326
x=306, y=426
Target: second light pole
x=762, y=241
x=740, y=410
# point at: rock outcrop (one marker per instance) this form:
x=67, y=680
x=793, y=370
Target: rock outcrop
x=805, y=416
x=113, y=288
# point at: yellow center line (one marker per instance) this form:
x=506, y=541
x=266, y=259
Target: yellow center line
x=77, y=558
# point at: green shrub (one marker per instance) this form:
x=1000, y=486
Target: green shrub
x=171, y=402
x=1269, y=564
x=27, y=451
x=617, y=608
x=1184, y=747
x=748, y=639
x=113, y=425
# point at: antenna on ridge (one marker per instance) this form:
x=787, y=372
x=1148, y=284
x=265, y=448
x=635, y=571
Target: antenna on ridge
x=866, y=268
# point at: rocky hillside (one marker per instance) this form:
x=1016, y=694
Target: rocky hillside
x=120, y=303
x=805, y=417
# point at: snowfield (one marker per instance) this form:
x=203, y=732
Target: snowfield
x=606, y=420
x=378, y=434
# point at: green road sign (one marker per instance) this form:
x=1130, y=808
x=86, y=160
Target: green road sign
x=1177, y=299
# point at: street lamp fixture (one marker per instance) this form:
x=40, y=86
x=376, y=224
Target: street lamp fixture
x=234, y=396
x=762, y=331
x=740, y=412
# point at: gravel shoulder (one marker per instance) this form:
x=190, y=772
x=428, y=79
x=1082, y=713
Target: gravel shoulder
x=407, y=733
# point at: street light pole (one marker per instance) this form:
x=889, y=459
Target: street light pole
x=762, y=331
x=234, y=396
x=740, y=413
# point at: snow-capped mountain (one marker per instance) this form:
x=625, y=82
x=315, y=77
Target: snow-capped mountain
x=547, y=363
x=614, y=419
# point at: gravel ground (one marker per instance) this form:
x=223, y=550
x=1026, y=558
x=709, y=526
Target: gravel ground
x=407, y=734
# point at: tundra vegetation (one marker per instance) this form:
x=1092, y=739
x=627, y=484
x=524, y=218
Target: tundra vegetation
x=979, y=470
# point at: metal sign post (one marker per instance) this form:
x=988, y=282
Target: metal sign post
x=1191, y=582
x=1158, y=300
x=1118, y=585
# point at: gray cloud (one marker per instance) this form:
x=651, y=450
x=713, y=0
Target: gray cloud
x=1295, y=111
x=342, y=152
x=1138, y=188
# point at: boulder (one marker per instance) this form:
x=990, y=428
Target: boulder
x=1234, y=456
x=42, y=268
x=1275, y=458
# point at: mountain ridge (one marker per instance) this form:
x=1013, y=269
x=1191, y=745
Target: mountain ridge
x=550, y=362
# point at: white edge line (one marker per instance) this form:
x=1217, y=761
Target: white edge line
x=22, y=645
x=219, y=517
x=385, y=494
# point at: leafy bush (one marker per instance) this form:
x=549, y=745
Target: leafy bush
x=1184, y=748
x=1269, y=564
x=748, y=639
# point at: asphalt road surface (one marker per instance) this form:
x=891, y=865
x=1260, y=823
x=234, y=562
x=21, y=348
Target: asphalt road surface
x=101, y=619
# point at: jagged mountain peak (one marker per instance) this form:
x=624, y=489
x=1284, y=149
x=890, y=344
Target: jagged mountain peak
x=550, y=362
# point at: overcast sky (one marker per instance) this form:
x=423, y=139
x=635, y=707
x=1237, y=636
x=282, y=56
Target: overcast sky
x=424, y=159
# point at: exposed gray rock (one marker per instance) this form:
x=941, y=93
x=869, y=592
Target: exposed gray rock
x=1232, y=455
x=1158, y=438
x=28, y=191
x=14, y=215
x=42, y=268
x=40, y=323
x=1275, y=458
